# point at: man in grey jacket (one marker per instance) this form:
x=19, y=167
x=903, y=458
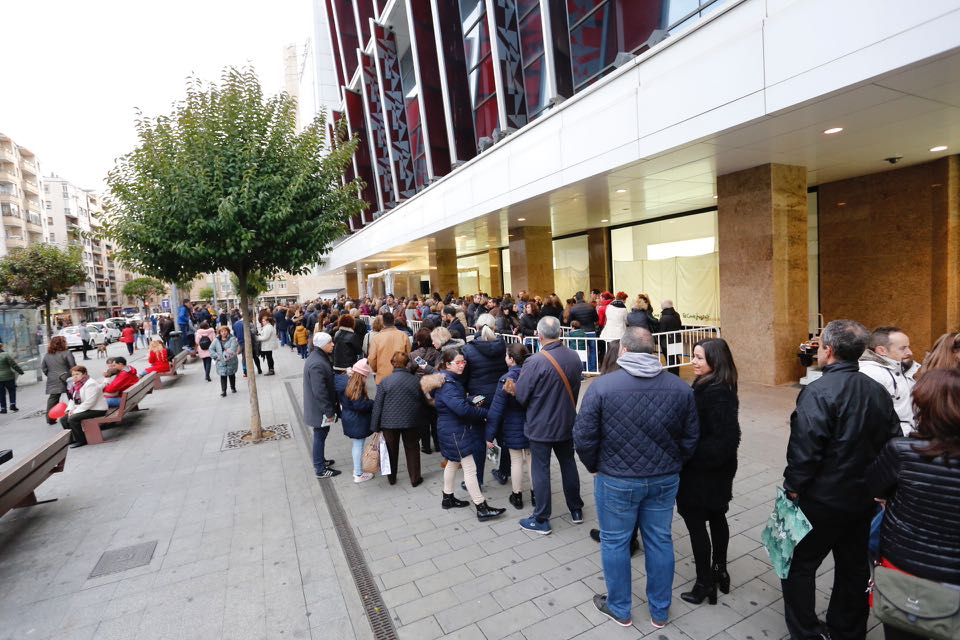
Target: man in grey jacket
x=548, y=387
x=320, y=407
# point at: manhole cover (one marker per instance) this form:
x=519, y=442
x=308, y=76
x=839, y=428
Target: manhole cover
x=234, y=439
x=124, y=559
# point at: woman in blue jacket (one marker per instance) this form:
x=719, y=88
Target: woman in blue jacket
x=357, y=407
x=507, y=417
x=460, y=427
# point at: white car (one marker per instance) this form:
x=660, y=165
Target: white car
x=72, y=334
x=107, y=328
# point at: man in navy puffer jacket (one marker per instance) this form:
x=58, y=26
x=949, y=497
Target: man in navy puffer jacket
x=635, y=429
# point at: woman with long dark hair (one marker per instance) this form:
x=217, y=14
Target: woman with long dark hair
x=919, y=476
x=56, y=365
x=945, y=354
x=706, y=480
x=460, y=426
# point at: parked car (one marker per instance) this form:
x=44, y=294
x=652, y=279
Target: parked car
x=72, y=335
x=118, y=322
x=110, y=331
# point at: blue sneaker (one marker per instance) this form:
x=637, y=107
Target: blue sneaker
x=532, y=524
x=577, y=516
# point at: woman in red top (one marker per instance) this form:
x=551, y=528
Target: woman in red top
x=159, y=362
x=127, y=337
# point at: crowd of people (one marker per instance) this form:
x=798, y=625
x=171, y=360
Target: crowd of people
x=878, y=432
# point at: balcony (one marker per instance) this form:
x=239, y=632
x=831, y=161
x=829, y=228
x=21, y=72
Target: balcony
x=10, y=212
x=7, y=154
x=70, y=213
x=31, y=187
x=29, y=166
x=7, y=175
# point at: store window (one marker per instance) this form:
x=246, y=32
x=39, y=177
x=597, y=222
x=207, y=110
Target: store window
x=473, y=274
x=676, y=260
x=571, y=266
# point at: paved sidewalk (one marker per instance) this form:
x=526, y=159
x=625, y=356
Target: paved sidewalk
x=246, y=549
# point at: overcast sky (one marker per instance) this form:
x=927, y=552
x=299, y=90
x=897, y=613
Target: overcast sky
x=74, y=71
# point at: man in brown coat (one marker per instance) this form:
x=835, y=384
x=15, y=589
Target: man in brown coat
x=384, y=344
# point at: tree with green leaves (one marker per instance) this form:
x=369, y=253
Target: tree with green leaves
x=41, y=273
x=206, y=294
x=225, y=181
x=143, y=288
x=257, y=283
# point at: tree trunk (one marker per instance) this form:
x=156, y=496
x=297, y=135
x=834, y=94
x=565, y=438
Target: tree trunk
x=49, y=324
x=255, y=426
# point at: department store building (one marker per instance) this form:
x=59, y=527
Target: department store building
x=765, y=164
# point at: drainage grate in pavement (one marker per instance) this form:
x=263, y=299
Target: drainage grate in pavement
x=124, y=559
x=234, y=439
x=377, y=613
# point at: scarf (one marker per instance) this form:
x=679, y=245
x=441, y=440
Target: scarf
x=76, y=389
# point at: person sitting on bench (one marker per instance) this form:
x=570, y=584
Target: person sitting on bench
x=123, y=376
x=159, y=359
x=86, y=401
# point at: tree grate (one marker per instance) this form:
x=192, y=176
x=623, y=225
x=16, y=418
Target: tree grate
x=377, y=613
x=117, y=560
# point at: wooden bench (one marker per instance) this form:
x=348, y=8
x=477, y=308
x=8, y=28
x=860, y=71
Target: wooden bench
x=177, y=363
x=128, y=402
x=18, y=485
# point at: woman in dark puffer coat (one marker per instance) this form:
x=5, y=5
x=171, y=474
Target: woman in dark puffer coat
x=507, y=418
x=920, y=478
x=424, y=350
x=460, y=426
x=356, y=406
x=398, y=412
x=706, y=480
x=485, y=365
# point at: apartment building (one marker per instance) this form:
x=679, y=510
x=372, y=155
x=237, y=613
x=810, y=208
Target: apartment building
x=20, y=202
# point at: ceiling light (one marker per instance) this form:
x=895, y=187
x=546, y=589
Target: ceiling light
x=715, y=197
x=521, y=219
x=621, y=190
x=939, y=147
x=604, y=220
x=841, y=204
x=833, y=130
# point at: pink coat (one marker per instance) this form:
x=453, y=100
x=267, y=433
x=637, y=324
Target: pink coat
x=210, y=333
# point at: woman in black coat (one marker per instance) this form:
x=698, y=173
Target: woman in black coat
x=919, y=477
x=528, y=323
x=346, y=350
x=429, y=359
x=706, y=480
x=398, y=412
x=485, y=364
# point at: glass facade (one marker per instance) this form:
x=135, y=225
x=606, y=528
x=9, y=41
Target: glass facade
x=531, y=54
x=476, y=45
x=571, y=265
x=676, y=259
x=473, y=272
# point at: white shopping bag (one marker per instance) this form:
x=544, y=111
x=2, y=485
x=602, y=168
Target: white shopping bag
x=384, y=458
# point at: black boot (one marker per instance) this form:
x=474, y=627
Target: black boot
x=700, y=593
x=450, y=502
x=721, y=577
x=486, y=512
x=516, y=499
x=533, y=499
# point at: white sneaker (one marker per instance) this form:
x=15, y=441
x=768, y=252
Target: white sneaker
x=363, y=477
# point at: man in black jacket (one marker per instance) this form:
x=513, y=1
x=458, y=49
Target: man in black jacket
x=548, y=387
x=320, y=403
x=670, y=321
x=453, y=324
x=635, y=430
x=841, y=423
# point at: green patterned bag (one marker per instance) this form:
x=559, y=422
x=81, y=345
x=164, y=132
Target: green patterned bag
x=785, y=529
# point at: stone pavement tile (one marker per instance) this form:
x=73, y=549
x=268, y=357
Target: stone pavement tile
x=87, y=607
x=706, y=621
x=766, y=623
x=459, y=556
x=568, y=597
x=471, y=537
x=293, y=627
x=400, y=595
x=87, y=632
x=467, y=633
x=397, y=577
x=392, y=548
x=539, y=544
x=512, y=595
x=427, y=552
x=444, y=580
x=489, y=583
x=493, y=561
x=747, y=567
x=571, y=552
x=510, y=621
x=422, y=607
x=468, y=613
x=505, y=540
x=425, y=629
x=750, y=597
x=391, y=563
x=122, y=628
x=609, y=630
x=531, y=567
x=566, y=624
x=570, y=572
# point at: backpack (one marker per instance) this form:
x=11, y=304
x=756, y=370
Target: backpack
x=205, y=343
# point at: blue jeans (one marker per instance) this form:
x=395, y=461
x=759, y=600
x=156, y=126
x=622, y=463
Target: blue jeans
x=647, y=503
x=319, y=439
x=357, y=453
x=113, y=403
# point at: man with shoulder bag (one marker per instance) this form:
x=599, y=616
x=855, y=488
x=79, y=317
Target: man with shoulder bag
x=548, y=387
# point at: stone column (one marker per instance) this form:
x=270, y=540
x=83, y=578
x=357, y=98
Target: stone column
x=762, y=234
x=443, y=271
x=531, y=261
x=496, y=274
x=600, y=276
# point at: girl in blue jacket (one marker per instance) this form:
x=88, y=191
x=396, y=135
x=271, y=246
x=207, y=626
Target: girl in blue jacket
x=507, y=417
x=357, y=408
